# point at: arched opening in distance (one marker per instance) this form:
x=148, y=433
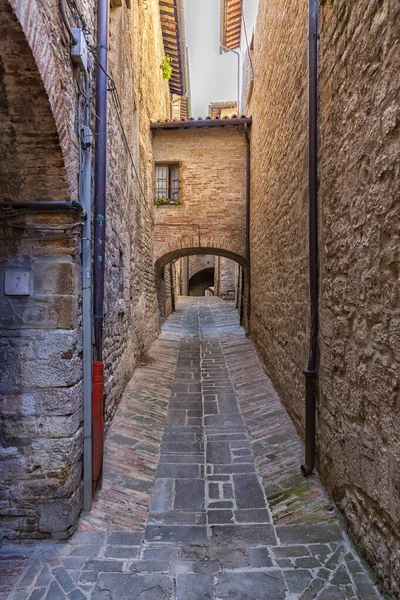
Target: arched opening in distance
x=201, y=272
x=200, y=281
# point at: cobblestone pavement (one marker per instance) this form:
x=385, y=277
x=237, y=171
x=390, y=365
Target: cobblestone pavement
x=201, y=497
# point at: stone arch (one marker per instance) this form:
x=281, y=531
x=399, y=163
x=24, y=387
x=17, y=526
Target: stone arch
x=189, y=239
x=200, y=281
x=199, y=262
x=162, y=261
x=32, y=134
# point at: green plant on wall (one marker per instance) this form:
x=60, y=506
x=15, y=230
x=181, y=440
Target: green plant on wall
x=161, y=201
x=166, y=67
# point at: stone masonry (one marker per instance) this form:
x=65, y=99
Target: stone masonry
x=206, y=504
x=225, y=278
x=41, y=345
x=358, y=406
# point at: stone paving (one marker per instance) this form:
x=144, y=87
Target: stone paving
x=201, y=498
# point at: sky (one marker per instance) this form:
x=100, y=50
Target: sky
x=213, y=75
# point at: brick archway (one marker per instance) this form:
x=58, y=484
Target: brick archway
x=34, y=147
x=173, y=254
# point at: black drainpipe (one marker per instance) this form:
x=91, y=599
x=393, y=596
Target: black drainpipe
x=246, y=133
x=45, y=206
x=100, y=174
x=311, y=373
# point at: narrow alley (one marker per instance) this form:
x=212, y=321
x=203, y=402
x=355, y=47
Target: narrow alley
x=202, y=497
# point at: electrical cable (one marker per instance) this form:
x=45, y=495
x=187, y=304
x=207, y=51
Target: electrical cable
x=113, y=91
x=247, y=43
x=93, y=51
x=38, y=238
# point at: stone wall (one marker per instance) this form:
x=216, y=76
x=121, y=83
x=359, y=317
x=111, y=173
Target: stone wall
x=131, y=311
x=358, y=405
x=359, y=408
x=41, y=346
x=225, y=278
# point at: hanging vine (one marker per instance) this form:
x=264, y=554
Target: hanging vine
x=166, y=67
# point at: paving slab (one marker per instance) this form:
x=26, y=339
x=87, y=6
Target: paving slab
x=201, y=496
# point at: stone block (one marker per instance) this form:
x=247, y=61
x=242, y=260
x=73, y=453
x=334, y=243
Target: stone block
x=189, y=494
x=49, y=312
x=55, y=372
x=194, y=587
x=34, y=427
x=236, y=586
x=51, y=278
x=184, y=533
x=60, y=515
x=54, y=454
x=124, y=586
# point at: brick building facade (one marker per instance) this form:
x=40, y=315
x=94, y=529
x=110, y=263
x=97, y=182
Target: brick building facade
x=210, y=217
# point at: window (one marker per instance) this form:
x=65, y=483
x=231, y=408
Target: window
x=167, y=182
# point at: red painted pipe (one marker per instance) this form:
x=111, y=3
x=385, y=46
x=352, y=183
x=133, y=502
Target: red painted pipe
x=97, y=420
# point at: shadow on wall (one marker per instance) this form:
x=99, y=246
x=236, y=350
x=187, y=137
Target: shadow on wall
x=200, y=281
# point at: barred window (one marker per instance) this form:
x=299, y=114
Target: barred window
x=167, y=181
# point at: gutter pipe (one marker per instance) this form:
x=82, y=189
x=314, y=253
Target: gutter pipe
x=45, y=206
x=248, y=157
x=311, y=372
x=99, y=228
x=100, y=173
x=86, y=143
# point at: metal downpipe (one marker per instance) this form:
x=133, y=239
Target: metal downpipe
x=87, y=318
x=311, y=373
x=248, y=166
x=100, y=173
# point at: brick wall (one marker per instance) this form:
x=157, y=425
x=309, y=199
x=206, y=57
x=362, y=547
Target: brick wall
x=279, y=246
x=212, y=191
x=358, y=414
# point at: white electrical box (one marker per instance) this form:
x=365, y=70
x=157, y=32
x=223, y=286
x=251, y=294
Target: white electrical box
x=79, y=51
x=17, y=282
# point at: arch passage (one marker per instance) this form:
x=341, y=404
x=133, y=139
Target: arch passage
x=180, y=252
x=200, y=281
x=213, y=187
x=32, y=165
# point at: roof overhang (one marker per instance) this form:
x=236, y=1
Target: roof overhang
x=173, y=33
x=231, y=25
x=202, y=123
